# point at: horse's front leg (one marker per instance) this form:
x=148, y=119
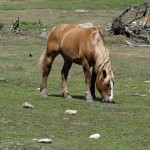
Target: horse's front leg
x=87, y=74
x=92, y=88
x=64, y=74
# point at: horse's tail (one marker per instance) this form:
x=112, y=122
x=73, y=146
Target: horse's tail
x=41, y=60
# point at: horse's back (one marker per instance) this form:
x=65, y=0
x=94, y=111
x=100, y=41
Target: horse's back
x=70, y=31
x=58, y=31
x=72, y=41
x=56, y=36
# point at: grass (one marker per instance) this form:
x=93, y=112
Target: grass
x=67, y=4
x=122, y=126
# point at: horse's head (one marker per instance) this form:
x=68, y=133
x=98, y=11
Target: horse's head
x=104, y=84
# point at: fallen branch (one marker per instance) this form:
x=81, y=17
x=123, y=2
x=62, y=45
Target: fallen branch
x=136, y=45
x=138, y=36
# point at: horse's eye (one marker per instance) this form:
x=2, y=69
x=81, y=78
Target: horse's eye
x=108, y=85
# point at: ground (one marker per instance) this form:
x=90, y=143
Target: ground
x=122, y=126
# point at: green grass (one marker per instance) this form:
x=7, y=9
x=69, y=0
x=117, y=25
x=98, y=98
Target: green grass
x=68, y=4
x=122, y=126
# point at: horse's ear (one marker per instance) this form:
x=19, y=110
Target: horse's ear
x=104, y=73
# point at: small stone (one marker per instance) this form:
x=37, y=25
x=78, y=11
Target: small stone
x=3, y=80
x=147, y=81
x=82, y=11
x=71, y=112
x=95, y=136
x=27, y=105
x=38, y=89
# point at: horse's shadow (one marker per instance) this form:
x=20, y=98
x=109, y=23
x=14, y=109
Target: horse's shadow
x=80, y=97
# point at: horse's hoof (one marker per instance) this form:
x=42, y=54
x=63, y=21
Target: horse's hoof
x=94, y=97
x=67, y=96
x=44, y=94
x=89, y=98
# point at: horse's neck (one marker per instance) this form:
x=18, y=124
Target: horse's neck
x=101, y=59
x=103, y=63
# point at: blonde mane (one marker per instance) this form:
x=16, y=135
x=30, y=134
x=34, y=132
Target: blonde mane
x=102, y=60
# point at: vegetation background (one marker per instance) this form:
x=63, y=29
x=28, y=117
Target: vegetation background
x=122, y=126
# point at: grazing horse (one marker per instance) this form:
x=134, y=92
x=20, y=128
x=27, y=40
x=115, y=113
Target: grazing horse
x=83, y=46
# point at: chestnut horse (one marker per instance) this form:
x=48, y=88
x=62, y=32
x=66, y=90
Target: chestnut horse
x=83, y=46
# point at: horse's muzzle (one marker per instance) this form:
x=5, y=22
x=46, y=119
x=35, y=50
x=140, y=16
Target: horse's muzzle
x=108, y=99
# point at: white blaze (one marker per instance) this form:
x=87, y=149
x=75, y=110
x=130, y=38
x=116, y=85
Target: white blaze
x=112, y=90
x=109, y=98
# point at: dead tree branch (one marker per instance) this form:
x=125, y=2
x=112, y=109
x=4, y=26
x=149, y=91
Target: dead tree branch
x=1, y=26
x=15, y=24
x=16, y=27
x=136, y=45
x=126, y=24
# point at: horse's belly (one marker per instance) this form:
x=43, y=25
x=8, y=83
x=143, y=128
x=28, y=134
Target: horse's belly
x=71, y=56
x=77, y=61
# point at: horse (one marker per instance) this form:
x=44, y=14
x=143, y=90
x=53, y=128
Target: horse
x=82, y=46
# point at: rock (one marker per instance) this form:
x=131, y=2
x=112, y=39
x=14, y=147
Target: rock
x=140, y=95
x=3, y=80
x=71, y=112
x=27, y=105
x=95, y=136
x=44, y=140
x=38, y=89
x=34, y=139
x=86, y=25
x=147, y=81
x=82, y=11
x=45, y=34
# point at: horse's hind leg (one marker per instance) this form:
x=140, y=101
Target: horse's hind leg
x=64, y=74
x=47, y=65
